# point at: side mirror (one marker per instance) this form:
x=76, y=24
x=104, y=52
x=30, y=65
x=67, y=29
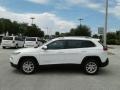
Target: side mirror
x=44, y=47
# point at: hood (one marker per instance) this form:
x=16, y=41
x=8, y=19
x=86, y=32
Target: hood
x=27, y=50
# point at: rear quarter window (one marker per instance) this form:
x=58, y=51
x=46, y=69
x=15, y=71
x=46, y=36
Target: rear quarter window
x=71, y=44
x=30, y=39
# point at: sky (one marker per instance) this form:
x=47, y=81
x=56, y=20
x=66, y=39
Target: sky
x=62, y=15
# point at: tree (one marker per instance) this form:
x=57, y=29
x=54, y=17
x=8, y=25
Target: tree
x=57, y=34
x=111, y=35
x=118, y=35
x=81, y=30
x=95, y=36
x=5, y=25
x=34, y=31
x=16, y=28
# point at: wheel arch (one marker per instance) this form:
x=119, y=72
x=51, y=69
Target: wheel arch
x=24, y=57
x=96, y=58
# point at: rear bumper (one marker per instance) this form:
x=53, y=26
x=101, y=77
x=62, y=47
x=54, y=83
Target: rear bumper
x=8, y=45
x=106, y=63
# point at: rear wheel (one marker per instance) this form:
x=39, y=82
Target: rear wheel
x=28, y=66
x=16, y=46
x=91, y=67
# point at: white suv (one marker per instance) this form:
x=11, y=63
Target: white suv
x=12, y=41
x=32, y=42
x=87, y=52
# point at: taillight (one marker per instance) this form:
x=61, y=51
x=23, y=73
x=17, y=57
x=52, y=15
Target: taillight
x=105, y=48
x=13, y=42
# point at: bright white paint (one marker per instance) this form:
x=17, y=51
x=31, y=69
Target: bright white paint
x=35, y=43
x=13, y=42
x=61, y=56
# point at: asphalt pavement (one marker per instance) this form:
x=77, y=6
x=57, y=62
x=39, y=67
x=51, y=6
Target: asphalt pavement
x=60, y=79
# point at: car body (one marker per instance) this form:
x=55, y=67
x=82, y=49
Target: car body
x=32, y=42
x=63, y=50
x=12, y=41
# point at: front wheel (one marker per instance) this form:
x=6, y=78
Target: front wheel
x=28, y=66
x=91, y=67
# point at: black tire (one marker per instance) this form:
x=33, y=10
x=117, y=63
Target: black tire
x=23, y=46
x=91, y=67
x=16, y=46
x=4, y=47
x=27, y=70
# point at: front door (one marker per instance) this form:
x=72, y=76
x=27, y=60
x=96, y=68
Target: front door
x=55, y=53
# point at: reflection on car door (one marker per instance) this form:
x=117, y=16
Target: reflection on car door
x=54, y=54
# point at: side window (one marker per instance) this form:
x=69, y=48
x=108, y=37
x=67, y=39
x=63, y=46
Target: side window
x=60, y=44
x=73, y=44
x=79, y=44
x=19, y=39
x=16, y=38
x=87, y=44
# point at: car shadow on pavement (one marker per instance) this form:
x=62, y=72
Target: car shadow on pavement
x=63, y=69
x=105, y=72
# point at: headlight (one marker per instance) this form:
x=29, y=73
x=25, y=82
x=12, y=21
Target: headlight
x=16, y=53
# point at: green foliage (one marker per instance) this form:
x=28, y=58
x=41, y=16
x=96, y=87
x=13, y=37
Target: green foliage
x=33, y=31
x=16, y=28
x=95, y=36
x=111, y=41
x=111, y=35
x=57, y=34
x=81, y=30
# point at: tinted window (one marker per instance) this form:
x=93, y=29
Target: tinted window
x=7, y=38
x=73, y=44
x=56, y=45
x=86, y=44
x=79, y=44
x=19, y=39
x=30, y=39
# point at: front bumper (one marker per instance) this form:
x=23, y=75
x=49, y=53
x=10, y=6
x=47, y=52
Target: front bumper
x=106, y=63
x=14, y=65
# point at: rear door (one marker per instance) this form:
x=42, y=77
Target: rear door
x=76, y=50
x=73, y=52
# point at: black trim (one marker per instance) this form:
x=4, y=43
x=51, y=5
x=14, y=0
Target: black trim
x=13, y=65
x=105, y=63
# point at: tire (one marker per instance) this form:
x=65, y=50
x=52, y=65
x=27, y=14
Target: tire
x=28, y=66
x=16, y=46
x=91, y=67
x=4, y=47
x=23, y=46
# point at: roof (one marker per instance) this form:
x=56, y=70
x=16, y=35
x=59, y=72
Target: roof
x=77, y=38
